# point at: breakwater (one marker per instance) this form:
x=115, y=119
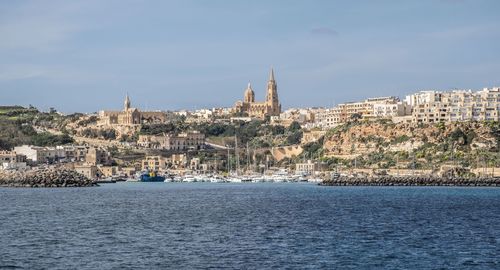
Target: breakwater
x=45, y=178
x=412, y=181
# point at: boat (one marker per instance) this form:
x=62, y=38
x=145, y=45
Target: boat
x=217, y=179
x=168, y=180
x=151, y=177
x=246, y=178
x=188, y=178
x=315, y=180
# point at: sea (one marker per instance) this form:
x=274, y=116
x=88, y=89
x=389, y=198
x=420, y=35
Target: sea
x=249, y=226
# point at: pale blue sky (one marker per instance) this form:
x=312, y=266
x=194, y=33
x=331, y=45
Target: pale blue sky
x=85, y=55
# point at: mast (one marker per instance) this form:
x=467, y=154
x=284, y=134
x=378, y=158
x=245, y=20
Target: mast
x=236, y=154
x=248, y=158
x=228, y=165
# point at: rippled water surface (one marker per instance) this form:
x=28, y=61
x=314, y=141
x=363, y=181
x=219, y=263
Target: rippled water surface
x=250, y=226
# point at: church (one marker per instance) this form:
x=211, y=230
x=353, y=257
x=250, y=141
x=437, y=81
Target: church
x=270, y=107
x=130, y=116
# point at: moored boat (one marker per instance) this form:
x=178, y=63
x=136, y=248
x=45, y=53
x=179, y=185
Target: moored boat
x=151, y=177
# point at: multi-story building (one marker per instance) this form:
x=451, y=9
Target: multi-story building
x=457, y=105
x=308, y=167
x=193, y=140
x=39, y=154
x=153, y=163
x=381, y=107
x=87, y=170
x=10, y=160
x=73, y=153
x=97, y=156
x=177, y=160
x=11, y=156
x=301, y=116
x=423, y=97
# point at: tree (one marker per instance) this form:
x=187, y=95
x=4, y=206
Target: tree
x=356, y=116
x=294, y=126
x=294, y=138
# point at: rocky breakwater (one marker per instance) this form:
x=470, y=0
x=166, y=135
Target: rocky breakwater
x=412, y=181
x=45, y=178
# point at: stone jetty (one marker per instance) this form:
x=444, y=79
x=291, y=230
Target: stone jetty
x=412, y=181
x=45, y=178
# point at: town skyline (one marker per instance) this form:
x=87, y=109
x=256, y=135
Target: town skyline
x=188, y=55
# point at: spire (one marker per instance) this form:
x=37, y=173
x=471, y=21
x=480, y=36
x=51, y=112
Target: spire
x=249, y=85
x=271, y=75
x=127, y=102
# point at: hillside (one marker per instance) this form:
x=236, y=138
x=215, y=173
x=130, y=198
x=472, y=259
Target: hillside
x=381, y=144
x=17, y=127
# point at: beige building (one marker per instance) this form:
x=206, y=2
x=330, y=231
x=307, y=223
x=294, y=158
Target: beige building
x=177, y=161
x=89, y=171
x=10, y=160
x=193, y=140
x=130, y=116
x=270, y=107
x=97, y=156
x=11, y=156
x=308, y=167
x=108, y=171
x=153, y=163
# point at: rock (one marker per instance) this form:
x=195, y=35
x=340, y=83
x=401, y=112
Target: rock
x=411, y=181
x=45, y=178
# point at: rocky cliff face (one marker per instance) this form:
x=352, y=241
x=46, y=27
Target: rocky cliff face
x=361, y=138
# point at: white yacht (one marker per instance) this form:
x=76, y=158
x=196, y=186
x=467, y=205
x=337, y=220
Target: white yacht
x=188, y=178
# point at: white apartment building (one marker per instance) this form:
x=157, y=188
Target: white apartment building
x=423, y=97
x=456, y=105
x=381, y=107
x=63, y=153
x=39, y=154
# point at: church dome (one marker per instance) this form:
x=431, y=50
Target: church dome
x=249, y=94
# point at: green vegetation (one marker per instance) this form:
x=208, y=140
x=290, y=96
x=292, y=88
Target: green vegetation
x=17, y=127
x=257, y=133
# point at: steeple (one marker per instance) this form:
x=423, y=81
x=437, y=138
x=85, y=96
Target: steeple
x=127, y=102
x=272, y=95
x=271, y=75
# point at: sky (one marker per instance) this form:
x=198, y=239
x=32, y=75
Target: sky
x=167, y=55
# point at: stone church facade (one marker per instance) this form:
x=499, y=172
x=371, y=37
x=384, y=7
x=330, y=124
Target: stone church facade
x=130, y=116
x=270, y=107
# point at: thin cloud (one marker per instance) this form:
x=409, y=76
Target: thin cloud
x=324, y=31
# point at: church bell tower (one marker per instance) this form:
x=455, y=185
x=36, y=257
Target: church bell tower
x=272, y=95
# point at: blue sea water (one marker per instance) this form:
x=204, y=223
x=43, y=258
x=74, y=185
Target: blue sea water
x=249, y=226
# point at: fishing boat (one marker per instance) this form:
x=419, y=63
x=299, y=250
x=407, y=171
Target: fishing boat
x=148, y=176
